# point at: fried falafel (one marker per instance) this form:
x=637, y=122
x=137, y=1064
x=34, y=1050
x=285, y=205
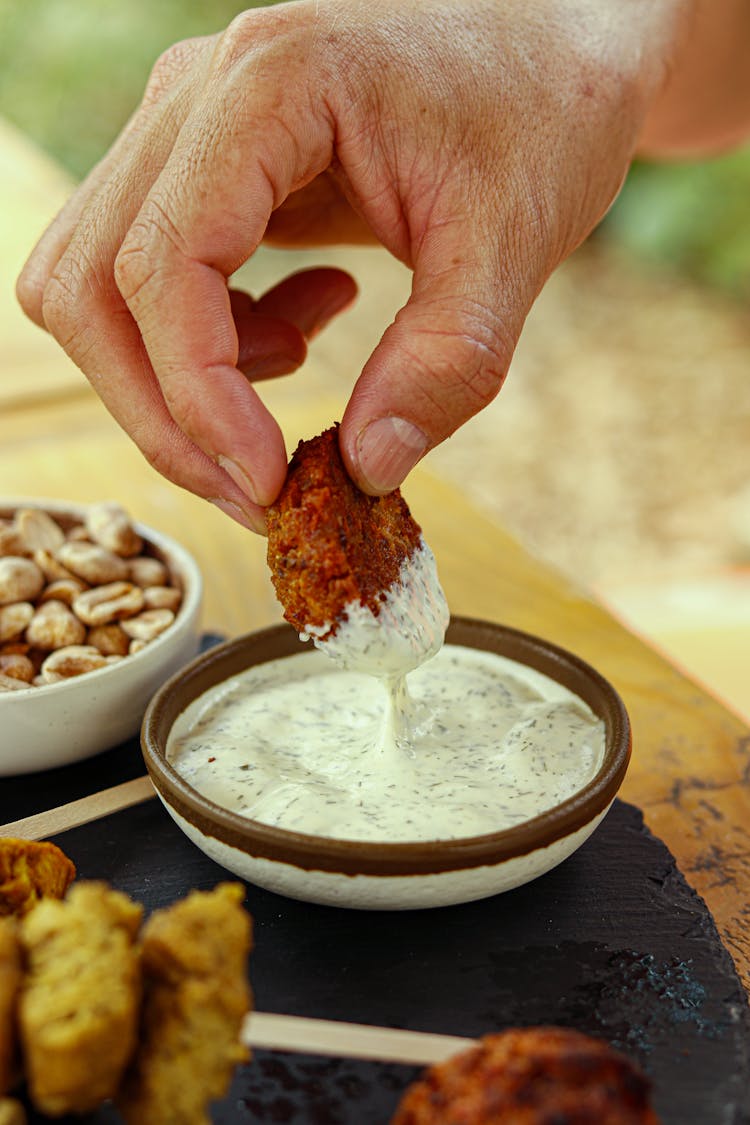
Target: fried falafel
x=196, y=995
x=29, y=871
x=78, y=1005
x=329, y=543
x=531, y=1076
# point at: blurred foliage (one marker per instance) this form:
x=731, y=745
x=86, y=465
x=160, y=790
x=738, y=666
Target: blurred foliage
x=72, y=72
x=692, y=217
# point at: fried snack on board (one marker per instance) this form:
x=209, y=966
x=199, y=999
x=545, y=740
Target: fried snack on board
x=329, y=544
x=78, y=1008
x=29, y=871
x=194, y=957
x=11, y=1112
x=10, y=984
x=530, y=1077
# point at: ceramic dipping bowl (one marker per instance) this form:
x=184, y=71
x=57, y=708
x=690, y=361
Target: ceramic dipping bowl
x=55, y=724
x=386, y=876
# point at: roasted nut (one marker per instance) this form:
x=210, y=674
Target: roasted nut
x=77, y=534
x=52, y=569
x=148, y=625
x=21, y=580
x=13, y=619
x=17, y=666
x=55, y=626
x=8, y=683
x=73, y=660
x=109, y=639
x=92, y=563
x=105, y=604
x=162, y=597
x=10, y=540
x=63, y=590
x=38, y=531
x=148, y=571
x=109, y=525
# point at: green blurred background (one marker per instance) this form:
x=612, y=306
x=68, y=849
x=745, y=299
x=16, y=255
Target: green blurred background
x=72, y=71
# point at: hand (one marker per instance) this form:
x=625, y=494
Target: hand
x=478, y=140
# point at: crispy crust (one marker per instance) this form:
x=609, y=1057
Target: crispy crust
x=10, y=984
x=31, y=870
x=531, y=1077
x=79, y=999
x=329, y=543
x=196, y=995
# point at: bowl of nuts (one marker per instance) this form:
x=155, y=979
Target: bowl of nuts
x=96, y=611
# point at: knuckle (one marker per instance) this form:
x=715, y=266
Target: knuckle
x=169, y=68
x=134, y=268
x=143, y=258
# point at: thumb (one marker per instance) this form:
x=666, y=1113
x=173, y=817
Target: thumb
x=442, y=360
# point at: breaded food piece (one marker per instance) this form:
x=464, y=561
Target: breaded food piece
x=196, y=995
x=329, y=543
x=78, y=1008
x=30, y=870
x=11, y=1112
x=533, y=1076
x=10, y=983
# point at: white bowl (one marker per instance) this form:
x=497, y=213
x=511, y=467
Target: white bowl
x=386, y=876
x=51, y=725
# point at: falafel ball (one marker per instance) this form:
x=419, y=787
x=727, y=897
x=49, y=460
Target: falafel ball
x=531, y=1076
x=329, y=543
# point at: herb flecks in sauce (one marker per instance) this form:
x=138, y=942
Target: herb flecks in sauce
x=490, y=744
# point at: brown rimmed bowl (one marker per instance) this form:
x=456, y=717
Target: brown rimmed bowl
x=386, y=876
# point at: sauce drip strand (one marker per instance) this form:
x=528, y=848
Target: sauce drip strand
x=303, y=744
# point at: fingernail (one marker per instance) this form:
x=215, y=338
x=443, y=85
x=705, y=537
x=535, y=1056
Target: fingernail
x=387, y=450
x=256, y=523
x=241, y=478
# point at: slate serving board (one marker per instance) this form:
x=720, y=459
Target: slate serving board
x=613, y=942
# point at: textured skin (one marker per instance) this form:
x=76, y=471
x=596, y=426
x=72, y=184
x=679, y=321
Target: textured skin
x=329, y=543
x=534, y=1076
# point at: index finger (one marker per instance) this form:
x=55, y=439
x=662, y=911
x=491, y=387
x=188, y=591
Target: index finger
x=203, y=217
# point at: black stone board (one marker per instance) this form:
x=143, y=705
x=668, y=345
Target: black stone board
x=613, y=942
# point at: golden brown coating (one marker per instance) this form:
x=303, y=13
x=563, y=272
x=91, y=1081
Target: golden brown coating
x=11, y=1112
x=78, y=1009
x=10, y=983
x=329, y=543
x=196, y=995
x=533, y=1076
x=31, y=870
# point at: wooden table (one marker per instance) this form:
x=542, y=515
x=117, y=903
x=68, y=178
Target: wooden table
x=691, y=761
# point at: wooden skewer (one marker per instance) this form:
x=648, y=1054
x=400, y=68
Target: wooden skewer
x=348, y=1040
x=261, y=1029
x=73, y=815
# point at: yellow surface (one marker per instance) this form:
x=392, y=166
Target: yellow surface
x=690, y=757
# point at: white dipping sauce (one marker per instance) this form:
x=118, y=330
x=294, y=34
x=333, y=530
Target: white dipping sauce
x=479, y=743
x=408, y=629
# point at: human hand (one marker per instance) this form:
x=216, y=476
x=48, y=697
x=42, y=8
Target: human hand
x=478, y=141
